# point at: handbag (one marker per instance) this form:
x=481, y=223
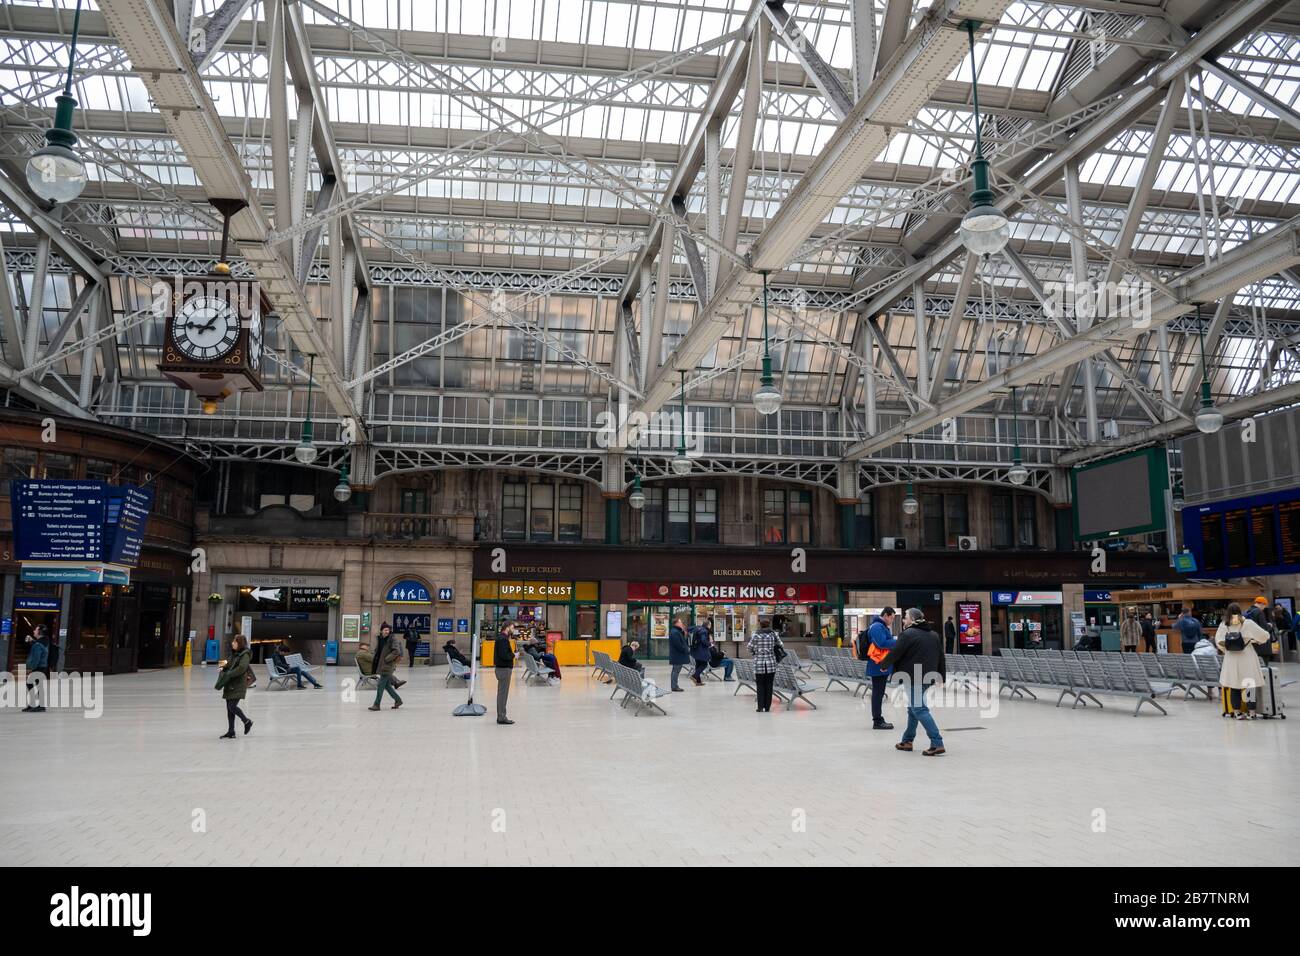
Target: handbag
x=1233, y=641
x=778, y=652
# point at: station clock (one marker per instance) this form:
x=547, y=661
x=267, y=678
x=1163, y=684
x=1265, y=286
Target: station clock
x=213, y=341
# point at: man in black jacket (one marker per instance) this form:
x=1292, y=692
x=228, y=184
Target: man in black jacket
x=503, y=661
x=918, y=659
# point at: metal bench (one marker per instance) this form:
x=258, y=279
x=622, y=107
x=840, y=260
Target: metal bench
x=295, y=660
x=364, y=679
x=745, y=676
x=637, y=689
x=276, y=677
x=816, y=656
x=534, y=670
x=789, y=688
x=602, y=664
x=456, y=671
x=848, y=673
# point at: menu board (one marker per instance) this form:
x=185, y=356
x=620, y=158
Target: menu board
x=1289, y=513
x=1262, y=536
x=59, y=520
x=312, y=600
x=1237, y=534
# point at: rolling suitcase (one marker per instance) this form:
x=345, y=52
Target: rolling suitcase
x=1266, y=702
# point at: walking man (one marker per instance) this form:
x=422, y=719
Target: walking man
x=386, y=661
x=918, y=659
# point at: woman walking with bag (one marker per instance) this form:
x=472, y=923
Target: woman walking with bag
x=768, y=651
x=1241, y=670
x=233, y=684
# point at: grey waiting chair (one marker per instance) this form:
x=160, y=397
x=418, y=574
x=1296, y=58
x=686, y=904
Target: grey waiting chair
x=364, y=679
x=456, y=671
x=638, y=690
x=276, y=677
x=787, y=682
x=534, y=670
x=745, y=676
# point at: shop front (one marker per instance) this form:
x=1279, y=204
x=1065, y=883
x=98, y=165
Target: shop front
x=1028, y=619
x=733, y=610
x=541, y=610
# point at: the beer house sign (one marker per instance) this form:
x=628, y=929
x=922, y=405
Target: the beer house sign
x=729, y=593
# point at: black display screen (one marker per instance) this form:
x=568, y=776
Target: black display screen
x=1238, y=537
x=1262, y=535
x=1289, y=512
x=1212, y=535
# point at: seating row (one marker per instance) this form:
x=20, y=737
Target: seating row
x=1114, y=674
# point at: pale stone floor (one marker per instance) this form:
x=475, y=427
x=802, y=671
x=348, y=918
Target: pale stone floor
x=578, y=780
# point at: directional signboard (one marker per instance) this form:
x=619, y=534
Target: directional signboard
x=87, y=531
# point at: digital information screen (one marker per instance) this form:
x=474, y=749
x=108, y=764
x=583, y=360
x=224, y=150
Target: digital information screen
x=1241, y=537
x=1118, y=496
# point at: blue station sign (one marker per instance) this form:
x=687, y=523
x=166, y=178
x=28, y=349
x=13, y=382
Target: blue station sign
x=408, y=592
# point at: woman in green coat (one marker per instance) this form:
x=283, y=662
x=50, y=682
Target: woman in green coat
x=233, y=685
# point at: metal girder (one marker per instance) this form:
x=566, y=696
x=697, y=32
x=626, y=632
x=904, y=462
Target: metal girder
x=928, y=55
x=13, y=339
x=722, y=95
x=952, y=326
x=1213, y=334
x=13, y=379
x=1249, y=262
x=862, y=16
x=823, y=77
x=158, y=54
x=43, y=224
x=694, y=261
x=1286, y=113
x=204, y=42
x=1066, y=329
x=895, y=367
x=1139, y=99
x=893, y=30
x=1239, y=408
x=79, y=304
x=743, y=156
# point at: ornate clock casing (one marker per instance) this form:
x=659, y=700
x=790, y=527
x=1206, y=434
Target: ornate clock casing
x=213, y=340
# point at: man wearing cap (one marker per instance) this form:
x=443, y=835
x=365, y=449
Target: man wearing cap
x=1259, y=614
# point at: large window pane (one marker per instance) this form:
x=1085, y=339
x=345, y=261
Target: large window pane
x=514, y=511
x=679, y=515
x=541, y=518
x=652, y=515
x=1026, y=522
x=932, y=535
x=1002, y=521
x=864, y=523
x=774, y=517
x=706, y=515
x=800, y=517
x=570, y=513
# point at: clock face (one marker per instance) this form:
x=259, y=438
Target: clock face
x=255, y=341
x=205, y=329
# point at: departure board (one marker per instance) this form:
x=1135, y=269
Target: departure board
x=1212, y=536
x=1289, y=512
x=1262, y=535
x=1237, y=533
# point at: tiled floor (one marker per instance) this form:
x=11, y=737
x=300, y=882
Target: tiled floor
x=321, y=780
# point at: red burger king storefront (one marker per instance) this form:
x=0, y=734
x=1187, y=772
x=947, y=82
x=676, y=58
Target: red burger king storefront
x=733, y=609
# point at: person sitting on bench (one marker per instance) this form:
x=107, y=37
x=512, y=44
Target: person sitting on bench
x=627, y=657
x=536, y=646
x=282, y=665
x=366, y=660
x=718, y=659
x=453, y=653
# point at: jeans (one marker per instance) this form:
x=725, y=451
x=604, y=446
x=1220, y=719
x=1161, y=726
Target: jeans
x=677, y=670
x=233, y=711
x=878, y=682
x=551, y=661
x=727, y=665
x=699, y=669
x=300, y=674
x=917, y=711
x=386, y=684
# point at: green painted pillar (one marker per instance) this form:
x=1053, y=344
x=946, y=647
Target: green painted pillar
x=848, y=524
x=613, y=516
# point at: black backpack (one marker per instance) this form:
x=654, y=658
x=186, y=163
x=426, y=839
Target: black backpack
x=1233, y=641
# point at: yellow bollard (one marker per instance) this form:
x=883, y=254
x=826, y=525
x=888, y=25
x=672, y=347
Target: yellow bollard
x=188, y=662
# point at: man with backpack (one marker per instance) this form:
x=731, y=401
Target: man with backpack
x=873, y=645
x=701, y=651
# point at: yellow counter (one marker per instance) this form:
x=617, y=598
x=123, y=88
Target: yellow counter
x=574, y=653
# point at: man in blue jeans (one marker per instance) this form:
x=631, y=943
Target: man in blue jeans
x=873, y=644
x=918, y=659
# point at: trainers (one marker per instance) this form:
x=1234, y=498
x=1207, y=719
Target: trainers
x=882, y=725
x=373, y=707
x=503, y=720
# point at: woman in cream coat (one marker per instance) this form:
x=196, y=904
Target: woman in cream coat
x=1241, y=670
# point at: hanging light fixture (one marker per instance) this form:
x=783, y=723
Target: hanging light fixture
x=910, y=505
x=55, y=172
x=767, y=399
x=305, y=451
x=343, y=490
x=1018, y=474
x=1208, y=418
x=984, y=229
x=636, y=498
x=682, y=464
